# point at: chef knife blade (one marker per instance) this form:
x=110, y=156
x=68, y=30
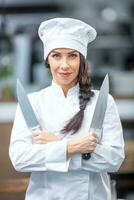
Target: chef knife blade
x=99, y=112
x=26, y=108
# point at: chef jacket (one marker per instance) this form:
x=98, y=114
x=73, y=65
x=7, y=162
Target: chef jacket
x=54, y=176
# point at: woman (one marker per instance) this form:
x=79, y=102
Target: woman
x=65, y=111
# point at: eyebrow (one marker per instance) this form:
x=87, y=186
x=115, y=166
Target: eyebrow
x=74, y=51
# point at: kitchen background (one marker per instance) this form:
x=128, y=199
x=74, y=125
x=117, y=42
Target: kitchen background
x=21, y=56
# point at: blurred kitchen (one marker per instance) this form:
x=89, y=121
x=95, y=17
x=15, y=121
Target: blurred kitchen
x=21, y=56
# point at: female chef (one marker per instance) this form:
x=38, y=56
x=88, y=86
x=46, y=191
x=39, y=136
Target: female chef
x=64, y=110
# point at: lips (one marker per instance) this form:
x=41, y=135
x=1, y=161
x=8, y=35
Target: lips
x=64, y=74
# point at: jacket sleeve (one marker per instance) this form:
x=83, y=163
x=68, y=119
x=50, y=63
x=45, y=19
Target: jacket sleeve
x=27, y=156
x=109, y=153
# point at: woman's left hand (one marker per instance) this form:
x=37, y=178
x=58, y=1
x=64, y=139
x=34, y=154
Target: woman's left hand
x=43, y=137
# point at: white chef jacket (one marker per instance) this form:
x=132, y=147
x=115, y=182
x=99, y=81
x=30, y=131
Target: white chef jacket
x=53, y=175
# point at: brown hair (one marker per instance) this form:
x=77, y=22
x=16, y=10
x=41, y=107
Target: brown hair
x=85, y=94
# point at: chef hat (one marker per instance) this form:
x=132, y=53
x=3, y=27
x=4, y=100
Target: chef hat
x=66, y=33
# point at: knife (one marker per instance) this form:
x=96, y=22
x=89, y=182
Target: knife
x=99, y=112
x=26, y=108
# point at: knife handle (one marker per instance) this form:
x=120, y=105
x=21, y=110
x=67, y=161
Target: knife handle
x=86, y=156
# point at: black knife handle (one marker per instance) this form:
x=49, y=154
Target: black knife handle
x=86, y=156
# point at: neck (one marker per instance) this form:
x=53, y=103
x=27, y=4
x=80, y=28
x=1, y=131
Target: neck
x=65, y=90
x=66, y=87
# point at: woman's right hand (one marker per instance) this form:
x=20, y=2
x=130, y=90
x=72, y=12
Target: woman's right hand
x=84, y=144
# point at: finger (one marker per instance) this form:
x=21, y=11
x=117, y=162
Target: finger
x=95, y=135
x=96, y=140
x=36, y=136
x=40, y=137
x=36, y=133
x=93, y=144
x=39, y=141
x=92, y=137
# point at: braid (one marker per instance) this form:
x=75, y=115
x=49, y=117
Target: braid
x=85, y=95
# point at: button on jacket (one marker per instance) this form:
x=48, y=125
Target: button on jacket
x=53, y=175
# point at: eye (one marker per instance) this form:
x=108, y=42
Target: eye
x=73, y=55
x=56, y=55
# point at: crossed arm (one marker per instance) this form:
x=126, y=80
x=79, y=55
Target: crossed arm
x=81, y=144
x=107, y=154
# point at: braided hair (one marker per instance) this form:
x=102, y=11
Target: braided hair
x=85, y=95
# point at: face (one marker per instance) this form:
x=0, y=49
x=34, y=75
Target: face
x=64, y=65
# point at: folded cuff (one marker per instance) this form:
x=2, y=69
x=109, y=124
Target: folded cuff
x=56, y=156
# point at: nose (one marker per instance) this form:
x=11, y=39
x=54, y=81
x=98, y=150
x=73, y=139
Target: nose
x=64, y=65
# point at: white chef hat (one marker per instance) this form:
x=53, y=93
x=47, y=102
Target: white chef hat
x=66, y=33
